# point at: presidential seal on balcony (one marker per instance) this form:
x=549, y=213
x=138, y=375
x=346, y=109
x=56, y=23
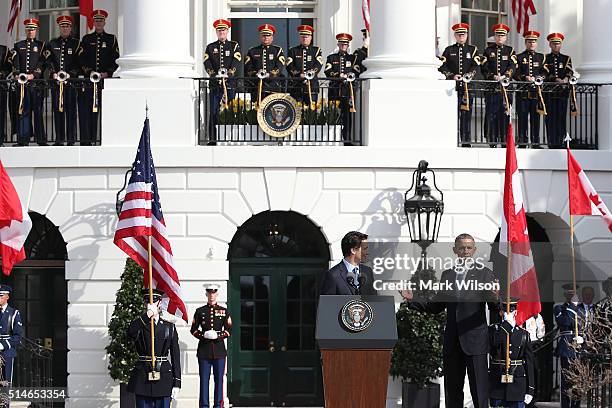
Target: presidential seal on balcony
x=279, y=115
x=356, y=315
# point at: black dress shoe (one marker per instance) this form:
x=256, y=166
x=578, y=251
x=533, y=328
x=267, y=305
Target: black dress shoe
x=20, y=144
x=492, y=146
x=466, y=145
x=348, y=143
x=58, y=144
x=70, y=143
x=85, y=143
x=211, y=144
x=42, y=144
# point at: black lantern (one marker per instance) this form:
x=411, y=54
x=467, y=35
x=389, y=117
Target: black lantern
x=119, y=201
x=423, y=210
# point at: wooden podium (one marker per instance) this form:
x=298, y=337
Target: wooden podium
x=356, y=363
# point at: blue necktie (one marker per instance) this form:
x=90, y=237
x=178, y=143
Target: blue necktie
x=356, y=272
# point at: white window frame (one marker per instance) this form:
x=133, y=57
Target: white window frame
x=54, y=12
x=505, y=15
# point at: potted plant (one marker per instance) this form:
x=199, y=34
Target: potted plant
x=121, y=353
x=417, y=356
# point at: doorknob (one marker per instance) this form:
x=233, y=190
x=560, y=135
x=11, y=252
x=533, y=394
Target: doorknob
x=284, y=348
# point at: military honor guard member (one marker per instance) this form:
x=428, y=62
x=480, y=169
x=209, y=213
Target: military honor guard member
x=211, y=325
x=265, y=62
x=5, y=70
x=361, y=53
x=569, y=317
x=513, y=385
x=28, y=64
x=459, y=63
x=98, y=56
x=221, y=60
x=530, y=104
x=560, y=70
x=304, y=62
x=498, y=64
x=340, y=66
x=150, y=392
x=11, y=331
x=61, y=60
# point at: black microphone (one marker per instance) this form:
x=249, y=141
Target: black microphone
x=351, y=281
x=362, y=279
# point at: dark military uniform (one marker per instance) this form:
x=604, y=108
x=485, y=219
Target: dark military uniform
x=11, y=332
x=566, y=317
x=28, y=59
x=5, y=70
x=512, y=394
x=559, y=66
x=98, y=52
x=154, y=393
x=269, y=58
x=300, y=60
x=529, y=63
x=461, y=59
x=61, y=55
x=220, y=55
x=337, y=66
x=211, y=353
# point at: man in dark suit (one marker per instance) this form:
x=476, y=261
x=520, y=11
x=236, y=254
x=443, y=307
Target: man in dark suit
x=157, y=393
x=466, y=339
x=350, y=276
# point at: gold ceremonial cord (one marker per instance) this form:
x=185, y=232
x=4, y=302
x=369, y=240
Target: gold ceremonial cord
x=506, y=101
x=574, y=109
x=260, y=88
x=61, y=96
x=312, y=104
x=541, y=111
x=225, y=101
x=466, y=94
x=352, y=109
x=94, y=108
x=21, y=96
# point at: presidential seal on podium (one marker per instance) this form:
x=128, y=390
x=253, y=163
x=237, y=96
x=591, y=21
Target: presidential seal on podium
x=279, y=115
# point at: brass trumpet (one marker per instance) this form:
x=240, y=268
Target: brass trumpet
x=467, y=78
x=309, y=76
x=261, y=74
x=350, y=78
x=574, y=111
x=538, y=81
x=574, y=79
x=504, y=81
x=541, y=108
x=62, y=77
x=95, y=77
x=22, y=79
x=223, y=73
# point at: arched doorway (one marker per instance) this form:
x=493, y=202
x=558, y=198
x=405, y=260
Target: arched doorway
x=40, y=294
x=276, y=259
x=542, y=251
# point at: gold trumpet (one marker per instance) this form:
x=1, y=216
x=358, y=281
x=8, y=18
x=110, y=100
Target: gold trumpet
x=504, y=81
x=223, y=74
x=309, y=76
x=62, y=77
x=541, y=108
x=574, y=111
x=350, y=78
x=22, y=79
x=95, y=77
x=261, y=74
x=466, y=79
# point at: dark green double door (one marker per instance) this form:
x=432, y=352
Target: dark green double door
x=274, y=360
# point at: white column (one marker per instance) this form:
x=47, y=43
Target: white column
x=156, y=39
x=596, y=45
x=403, y=40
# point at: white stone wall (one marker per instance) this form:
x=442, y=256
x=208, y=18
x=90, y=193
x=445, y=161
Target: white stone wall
x=203, y=207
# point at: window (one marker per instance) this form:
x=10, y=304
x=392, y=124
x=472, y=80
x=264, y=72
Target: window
x=272, y=6
x=48, y=10
x=481, y=15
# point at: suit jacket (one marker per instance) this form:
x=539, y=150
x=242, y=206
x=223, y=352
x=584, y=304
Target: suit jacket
x=466, y=320
x=334, y=281
x=98, y=52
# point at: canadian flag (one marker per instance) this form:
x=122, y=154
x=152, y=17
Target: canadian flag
x=86, y=9
x=523, y=278
x=15, y=224
x=583, y=199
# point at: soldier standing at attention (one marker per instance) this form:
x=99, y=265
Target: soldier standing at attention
x=61, y=56
x=513, y=387
x=530, y=67
x=458, y=60
x=156, y=393
x=221, y=55
x=11, y=331
x=98, y=54
x=560, y=70
x=266, y=59
x=28, y=60
x=5, y=69
x=211, y=325
x=498, y=62
x=301, y=60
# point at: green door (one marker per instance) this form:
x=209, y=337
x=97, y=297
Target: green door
x=274, y=360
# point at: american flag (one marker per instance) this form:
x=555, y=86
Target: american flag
x=365, y=12
x=13, y=15
x=140, y=217
x=521, y=9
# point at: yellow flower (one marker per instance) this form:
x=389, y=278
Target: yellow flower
x=337, y=104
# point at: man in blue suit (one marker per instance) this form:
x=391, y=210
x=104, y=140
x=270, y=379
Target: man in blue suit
x=11, y=331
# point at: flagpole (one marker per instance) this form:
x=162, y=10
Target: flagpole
x=499, y=12
x=573, y=251
x=509, y=268
x=151, y=302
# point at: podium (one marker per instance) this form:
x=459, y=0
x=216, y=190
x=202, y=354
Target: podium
x=356, y=335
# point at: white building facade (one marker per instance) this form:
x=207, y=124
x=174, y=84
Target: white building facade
x=209, y=193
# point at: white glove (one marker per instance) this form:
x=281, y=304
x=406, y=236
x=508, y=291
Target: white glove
x=152, y=310
x=528, y=399
x=210, y=334
x=1, y=347
x=366, y=42
x=175, y=393
x=509, y=317
x=579, y=339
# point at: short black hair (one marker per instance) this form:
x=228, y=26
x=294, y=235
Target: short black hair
x=352, y=240
x=463, y=236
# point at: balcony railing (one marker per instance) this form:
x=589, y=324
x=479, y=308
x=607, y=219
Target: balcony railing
x=40, y=99
x=334, y=117
x=485, y=123
x=33, y=368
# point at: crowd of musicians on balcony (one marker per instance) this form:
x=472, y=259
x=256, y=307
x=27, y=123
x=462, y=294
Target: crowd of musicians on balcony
x=65, y=59
x=499, y=62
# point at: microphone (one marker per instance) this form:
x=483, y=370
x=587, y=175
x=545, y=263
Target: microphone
x=362, y=279
x=351, y=281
